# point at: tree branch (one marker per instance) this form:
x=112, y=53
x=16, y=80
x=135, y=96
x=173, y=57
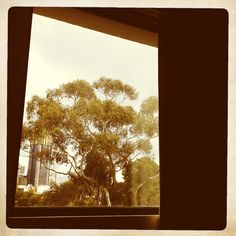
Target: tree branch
x=48, y=168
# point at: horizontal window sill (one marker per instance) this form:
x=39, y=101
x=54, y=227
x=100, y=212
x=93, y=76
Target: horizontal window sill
x=145, y=222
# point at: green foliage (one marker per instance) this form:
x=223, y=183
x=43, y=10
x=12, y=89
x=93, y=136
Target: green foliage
x=141, y=187
x=94, y=135
x=114, y=88
x=142, y=169
x=149, y=106
x=65, y=194
x=142, y=178
x=144, y=145
x=98, y=168
x=28, y=198
x=120, y=195
x=74, y=90
x=147, y=121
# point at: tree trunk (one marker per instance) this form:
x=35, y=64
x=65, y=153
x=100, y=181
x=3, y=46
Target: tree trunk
x=134, y=198
x=107, y=195
x=135, y=194
x=98, y=196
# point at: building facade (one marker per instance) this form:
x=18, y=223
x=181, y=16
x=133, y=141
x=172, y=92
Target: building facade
x=38, y=173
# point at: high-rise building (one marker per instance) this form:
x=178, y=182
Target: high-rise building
x=21, y=170
x=21, y=176
x=38, y=173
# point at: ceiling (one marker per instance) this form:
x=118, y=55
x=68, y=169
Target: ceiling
x=143, y=18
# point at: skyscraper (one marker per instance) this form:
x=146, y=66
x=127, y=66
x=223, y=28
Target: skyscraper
x=21, y=175
x=38, y=173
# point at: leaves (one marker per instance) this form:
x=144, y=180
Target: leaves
x=78, y=89
x=75, y=89
x=144, y=145
x=147, y=121
x=94, y=135
x=145, y=182
x=113, y=88
x=149, y=106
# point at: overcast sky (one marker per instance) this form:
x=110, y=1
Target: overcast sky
x=62, y=52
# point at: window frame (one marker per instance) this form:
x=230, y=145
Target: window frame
x=67, y=217
x=193, y=196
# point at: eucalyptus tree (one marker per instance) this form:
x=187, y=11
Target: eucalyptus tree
x=93, y=129
x=142, y=180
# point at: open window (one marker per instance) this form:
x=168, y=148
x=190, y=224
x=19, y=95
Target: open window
x=192, y=73
x=98, y=93
x=98, y=77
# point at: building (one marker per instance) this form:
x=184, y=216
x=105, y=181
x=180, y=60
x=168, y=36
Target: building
x=38, y=173
x=21, y=176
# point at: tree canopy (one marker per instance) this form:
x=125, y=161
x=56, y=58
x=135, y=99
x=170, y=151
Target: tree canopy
x=93, y=130
x=142, y=180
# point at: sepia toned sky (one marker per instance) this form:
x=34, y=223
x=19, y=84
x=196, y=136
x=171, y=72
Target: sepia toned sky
x=62, y=52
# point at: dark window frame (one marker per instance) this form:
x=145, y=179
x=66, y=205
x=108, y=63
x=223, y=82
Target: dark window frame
x=52, y=217
x=193, y=73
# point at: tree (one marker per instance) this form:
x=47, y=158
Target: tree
x=143, y=182
x=67, y=194
x=91, y=129
x=28, y=198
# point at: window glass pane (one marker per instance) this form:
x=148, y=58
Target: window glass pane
x=90, y=132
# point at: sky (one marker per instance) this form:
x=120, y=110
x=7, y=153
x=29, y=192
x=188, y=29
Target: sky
x=61, y=52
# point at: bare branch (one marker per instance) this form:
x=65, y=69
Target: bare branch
x=51, y=169
x=85, y=155
x=132, y=158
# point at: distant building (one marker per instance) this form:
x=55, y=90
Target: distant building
x=21, y=176
x=21, y=170
x=56, y=177
x=38, y=173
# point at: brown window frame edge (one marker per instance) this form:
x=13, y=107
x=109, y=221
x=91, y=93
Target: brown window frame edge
x=66, y=217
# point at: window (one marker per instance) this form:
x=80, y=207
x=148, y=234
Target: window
x=192, y=51
x=118, y=179
x=99, y=94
